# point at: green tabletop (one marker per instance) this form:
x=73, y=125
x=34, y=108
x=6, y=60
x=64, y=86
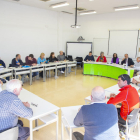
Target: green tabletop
x=105, y=70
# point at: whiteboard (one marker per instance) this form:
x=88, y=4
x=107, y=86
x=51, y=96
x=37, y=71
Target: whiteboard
x=122, y=42
x=78, y=49
x=100, y=44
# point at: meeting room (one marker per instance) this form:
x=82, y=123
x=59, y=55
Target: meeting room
x=69, y=70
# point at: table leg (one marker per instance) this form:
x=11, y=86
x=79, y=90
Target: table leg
x=36, y=123
x=129, y=72
x=15, y=74
x=75, y=69
x=30, y=76
x=62, y=129
x=49, y=73
x=66, y=70
x=12, y=74
x=44, y=75
x=57, y=126
x=70, y=133
x=56, y=72
x=37, y=76
x=31, y=131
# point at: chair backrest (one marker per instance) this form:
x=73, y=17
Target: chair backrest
x=79, y=59
x=70, y=56
x=11, y=134
x=133, y=116
x=10, y=65
x=47, y=58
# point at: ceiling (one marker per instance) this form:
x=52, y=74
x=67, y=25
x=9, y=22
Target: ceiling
x=100, y=6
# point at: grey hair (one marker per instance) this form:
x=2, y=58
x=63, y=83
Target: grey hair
x=98, y=94
x=101, y=53
x=13, y=84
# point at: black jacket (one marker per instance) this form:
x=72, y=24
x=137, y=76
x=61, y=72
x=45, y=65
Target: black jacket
x=130, y=62
x=14, y=63
x=89, y=58
x=52, y=59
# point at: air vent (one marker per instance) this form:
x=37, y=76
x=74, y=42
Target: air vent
x=80, y=9
x=66, y=12
x=45, y=0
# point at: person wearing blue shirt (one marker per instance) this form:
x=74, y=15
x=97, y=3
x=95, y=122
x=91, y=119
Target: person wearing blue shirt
x=99, y=119
x=89, y=57
x=42, y=60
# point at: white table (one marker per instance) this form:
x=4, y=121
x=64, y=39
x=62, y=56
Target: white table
x=114, y=89
x=43, y=110
x=57, y=65
x=67, y=117
x=37, y=68
x=20, y=71
x=6, y=73
x=71, y=64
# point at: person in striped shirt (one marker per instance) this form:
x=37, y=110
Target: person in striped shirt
x=11, y=107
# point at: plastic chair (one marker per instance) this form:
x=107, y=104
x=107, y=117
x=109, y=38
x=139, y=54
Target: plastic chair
x=131, y=122
x=10, y=134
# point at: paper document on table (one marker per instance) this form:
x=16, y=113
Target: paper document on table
x=1, y=69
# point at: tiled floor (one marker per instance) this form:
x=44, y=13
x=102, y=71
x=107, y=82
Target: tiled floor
x=64, y=91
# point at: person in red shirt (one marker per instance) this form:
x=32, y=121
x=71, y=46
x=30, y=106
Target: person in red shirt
x=128, y=96
x=101, y=58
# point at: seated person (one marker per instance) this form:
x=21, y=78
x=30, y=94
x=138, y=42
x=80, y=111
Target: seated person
x=137, y=64
x=127, y=61
x=1, y=83
x=52, y=57
x=2, y=63
x=41, y=60
x=31, y=61
x=11, y=107
x=99, y=119
x=89, y=57
x=4, y=66
x=17, y=62
x=101, y=58
x=134, y=81
x=128, y=96
x=115, y=59
x=61, y=57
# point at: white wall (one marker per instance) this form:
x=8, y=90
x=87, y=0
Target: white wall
x=26, y=30
x=98, y=26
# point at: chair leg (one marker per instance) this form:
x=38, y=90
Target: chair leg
x=127, y=131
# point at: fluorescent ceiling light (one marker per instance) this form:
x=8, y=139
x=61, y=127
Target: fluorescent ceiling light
x=59, y=5
x=126, y=7
x=87, y=12
x=75, y=26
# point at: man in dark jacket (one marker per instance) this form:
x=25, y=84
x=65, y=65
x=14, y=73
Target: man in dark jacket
x=17, y=62
x=127, y=61
x=89, y=57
